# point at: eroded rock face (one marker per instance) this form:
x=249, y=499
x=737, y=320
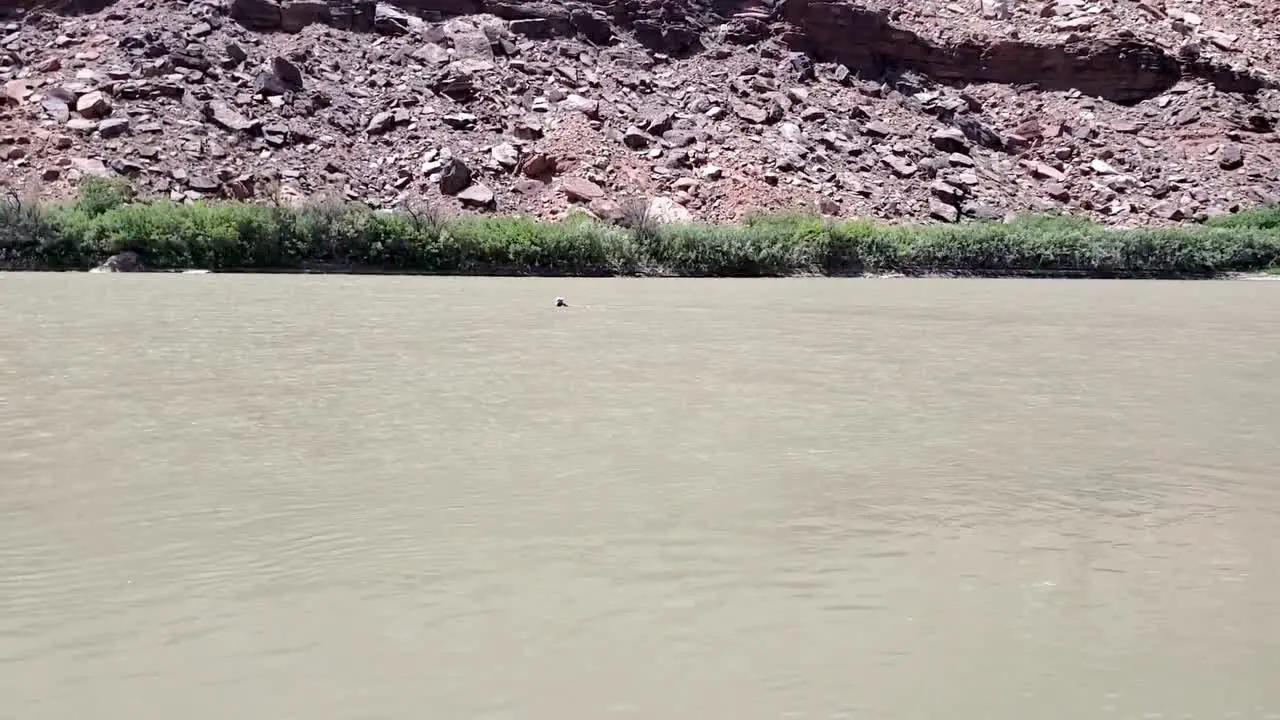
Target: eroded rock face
x=1120, y=70
x=871, y=108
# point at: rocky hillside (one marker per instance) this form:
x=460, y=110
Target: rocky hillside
x=1131, y=111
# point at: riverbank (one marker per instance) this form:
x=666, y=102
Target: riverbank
x=241, y=237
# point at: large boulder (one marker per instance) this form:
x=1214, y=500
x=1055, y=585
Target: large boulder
x=594, y=26
x=477, y=196
x=454, y=177
x=579, y=189
x=282, y=77
x=113, y=127
x=127, y=261
x=664, y=210
x=391, y=20
x=17, y=91
x=222, y=115
x=93, y=106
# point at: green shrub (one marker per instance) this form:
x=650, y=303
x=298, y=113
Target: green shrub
x=98, y=195
x=1265, y=217
x=23, y=224
x=218, y=235
x=580, y=247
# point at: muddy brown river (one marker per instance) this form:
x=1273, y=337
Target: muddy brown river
x=325, y=497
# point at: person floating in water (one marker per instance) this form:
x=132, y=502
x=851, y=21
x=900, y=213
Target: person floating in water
x=561, y=302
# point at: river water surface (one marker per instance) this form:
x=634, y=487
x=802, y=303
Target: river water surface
x=376, y=497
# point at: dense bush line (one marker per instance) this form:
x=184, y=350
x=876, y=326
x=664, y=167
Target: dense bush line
x=103, y=222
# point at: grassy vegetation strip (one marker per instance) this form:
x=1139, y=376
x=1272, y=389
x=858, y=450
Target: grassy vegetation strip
x=104, y=222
